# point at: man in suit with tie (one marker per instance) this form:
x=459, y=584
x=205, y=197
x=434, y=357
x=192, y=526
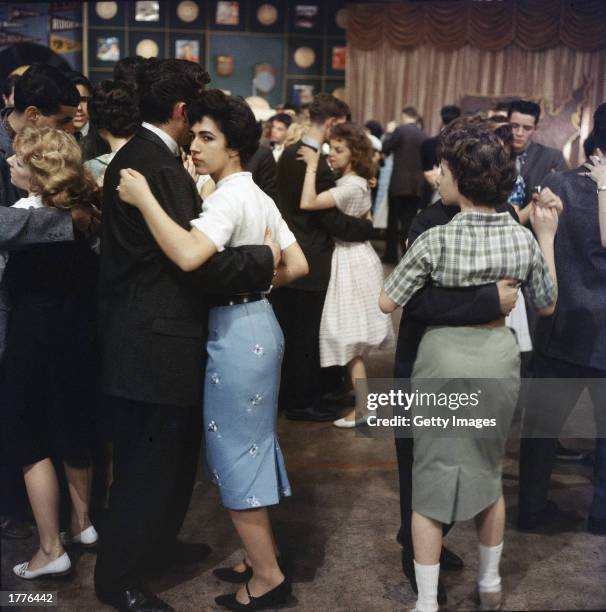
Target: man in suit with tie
x=153, y=325
x=299, y=306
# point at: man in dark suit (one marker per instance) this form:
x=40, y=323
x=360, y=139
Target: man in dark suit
x=407, y=181
x=153, y=325
x=299, y=306
x=263, y=168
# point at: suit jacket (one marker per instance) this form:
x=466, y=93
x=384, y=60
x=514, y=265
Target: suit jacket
x=262, y=165
x=540, y=162
x=92, y=145
x=153, y=316
x=21, y=227
x=314, y=230
x=405, y=144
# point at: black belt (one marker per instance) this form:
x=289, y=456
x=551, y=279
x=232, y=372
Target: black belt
x=233, y=300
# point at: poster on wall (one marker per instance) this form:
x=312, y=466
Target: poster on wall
x=60, y=44
x=306, y=16
x=228, y=13
x=302, y=93
x=339, y=55
x=264, y=79
x=108, y=49
x=187, y=50
x=61, y=24
x=224, y=65
x=148, y=11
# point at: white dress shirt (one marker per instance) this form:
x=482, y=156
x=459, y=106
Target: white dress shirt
x=168, y=140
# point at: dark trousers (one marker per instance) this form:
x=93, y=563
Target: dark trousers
x=156, y=451
x=401, y=212
x=537, y=455
x=299, y=314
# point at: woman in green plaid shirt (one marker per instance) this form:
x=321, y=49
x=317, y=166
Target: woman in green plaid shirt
x=456, y=478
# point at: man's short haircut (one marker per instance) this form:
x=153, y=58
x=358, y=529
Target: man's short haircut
x=501, y=107
x=46, y=88
x=325, y=106
x=481, y=164
x=597, y=136
x=374, y=127
x=9, y=85
x=233, y=117
x=79, y=79
x=164, y=83
x=128, y=68
x=525, y=107
x=282, y=118
x=449, y=114
x=411, y=111
x=114, y=108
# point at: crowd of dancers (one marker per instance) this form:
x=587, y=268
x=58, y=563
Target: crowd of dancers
x=165, y=278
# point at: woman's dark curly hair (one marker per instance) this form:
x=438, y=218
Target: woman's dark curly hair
x=114, y=108
x=233, y=117
x=360, y=146
x=480, y=161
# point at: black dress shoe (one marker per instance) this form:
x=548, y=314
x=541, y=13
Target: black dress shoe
x=311, y=413
x=529, y=521
x=450, y=561
x=409, y=571
x=136, y=600
x=278, y=596
x=229, y=574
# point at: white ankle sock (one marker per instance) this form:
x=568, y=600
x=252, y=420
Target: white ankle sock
x=427, y=581
x=489, y=579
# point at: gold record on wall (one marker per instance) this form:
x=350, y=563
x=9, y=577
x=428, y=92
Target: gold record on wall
x=304, y=57
x=147, y=48
x=267, y=14
x=188, y=11
x=106, y=10
x=341, y=18
x=340, y=93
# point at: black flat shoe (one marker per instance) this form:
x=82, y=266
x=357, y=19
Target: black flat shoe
x=450, y=561
x=135, y=600
x=275, y=598
x=409, y=571
x=229, y=574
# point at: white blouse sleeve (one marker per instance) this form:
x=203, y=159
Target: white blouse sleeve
x=281, y=232
x=218, y=220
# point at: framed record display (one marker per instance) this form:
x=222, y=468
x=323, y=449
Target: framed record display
x=227, y=15
x=147, y=14
x=187, y=15
x=187, y=46
x=106, y=47
x=146, y=44
x=107, y=14
x=304, y=56
x=266, y=15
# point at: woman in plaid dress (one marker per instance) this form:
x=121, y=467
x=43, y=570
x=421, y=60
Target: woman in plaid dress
x=458, y=478
x=352, y=324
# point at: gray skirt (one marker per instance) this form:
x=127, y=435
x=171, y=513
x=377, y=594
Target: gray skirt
x=456, y=478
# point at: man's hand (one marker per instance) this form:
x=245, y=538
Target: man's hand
x=391, y=126
x=544, y=222
x=548, y=199
x=86, y=220
x=274, y=246
x=508, y=294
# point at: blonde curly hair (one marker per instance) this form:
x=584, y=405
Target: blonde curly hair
x=55, y=162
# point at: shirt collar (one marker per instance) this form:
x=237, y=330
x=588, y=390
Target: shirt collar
x=235, y=175
x=85, y=129
x=168, y=140
x=311, y=142
x=480, y=218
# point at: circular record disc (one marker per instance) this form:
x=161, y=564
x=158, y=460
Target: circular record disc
x=147, y=48
x=267, y=14
x=304, y=57
x=187, y=11
x=106, y=10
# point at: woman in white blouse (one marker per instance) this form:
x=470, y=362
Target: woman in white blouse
x=245, y=343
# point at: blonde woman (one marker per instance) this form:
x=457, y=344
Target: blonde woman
x=49, y=387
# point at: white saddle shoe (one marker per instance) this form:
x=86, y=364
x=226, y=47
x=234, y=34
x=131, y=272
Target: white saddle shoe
x=59, y=567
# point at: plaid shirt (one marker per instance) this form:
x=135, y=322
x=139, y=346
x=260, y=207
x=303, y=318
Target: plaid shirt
x=474, y=249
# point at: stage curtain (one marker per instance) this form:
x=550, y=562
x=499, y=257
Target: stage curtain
x=381, y=81
x=531, y=24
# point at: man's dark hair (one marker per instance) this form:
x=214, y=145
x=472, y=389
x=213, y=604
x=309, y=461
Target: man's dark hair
x=290, y=106
x=449, y=113
x=483, y=167
x=164, y=83
x=525, y=107
x=114, y=108
x=128, y=68
x=411, y=111
x=597, y=136
x=501, y=107
x=282, y=118
x=325, y=106
x=233, y=117
x=374, y=127
x=46, y=88
x=79, y=79
x=9, y=86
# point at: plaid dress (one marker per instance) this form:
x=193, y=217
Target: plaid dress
x=352, y=323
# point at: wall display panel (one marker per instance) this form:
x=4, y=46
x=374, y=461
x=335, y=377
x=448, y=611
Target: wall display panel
x=336, y=17
x=266, y=15
x=228, y=15
x=106, y=47
x=304, y=56
x=306, y=17
x=335, y=57
x=256, y=61
x=336, y=87
x=147, y=13
x=147, y=44
x=107, y=14
x=187, y=15
x=187, y=45
x=301, y=91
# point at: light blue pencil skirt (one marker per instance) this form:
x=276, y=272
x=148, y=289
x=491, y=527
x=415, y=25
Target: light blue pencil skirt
x=245, y=348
